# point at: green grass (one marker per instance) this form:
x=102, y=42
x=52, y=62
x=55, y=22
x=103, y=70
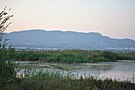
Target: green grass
x=56, y=81
x=126, y=56
x=69, y=56
x=7, y=65
x=66, y=56
x=53, y=80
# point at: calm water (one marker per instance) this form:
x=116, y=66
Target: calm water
x=122, y=70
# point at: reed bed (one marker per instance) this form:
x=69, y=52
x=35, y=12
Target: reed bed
x=57, y=81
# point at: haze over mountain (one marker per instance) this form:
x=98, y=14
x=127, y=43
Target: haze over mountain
x=66, y=40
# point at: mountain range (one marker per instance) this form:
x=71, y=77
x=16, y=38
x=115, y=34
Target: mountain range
x=66, y=40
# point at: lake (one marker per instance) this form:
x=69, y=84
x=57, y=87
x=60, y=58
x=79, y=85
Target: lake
x=123, y=70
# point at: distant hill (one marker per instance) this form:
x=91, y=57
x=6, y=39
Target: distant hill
x=66, y=40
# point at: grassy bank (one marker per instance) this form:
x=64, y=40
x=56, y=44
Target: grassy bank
x=46, y=81
x=70, y=56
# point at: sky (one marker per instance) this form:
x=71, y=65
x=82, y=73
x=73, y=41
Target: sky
x=114, y=18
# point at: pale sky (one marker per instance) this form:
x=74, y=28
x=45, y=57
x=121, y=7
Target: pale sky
x=114, y=18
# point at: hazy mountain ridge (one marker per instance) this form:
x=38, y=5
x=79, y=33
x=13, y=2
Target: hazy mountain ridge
x=66, y=39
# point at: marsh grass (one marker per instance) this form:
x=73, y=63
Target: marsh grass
x=71, y=56
x=7, y=66
x=126, y=56
x=66, y=56
x=56, y=81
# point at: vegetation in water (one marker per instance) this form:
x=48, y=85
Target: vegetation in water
x=57, y=81
x=126, y=56
x=72, y=56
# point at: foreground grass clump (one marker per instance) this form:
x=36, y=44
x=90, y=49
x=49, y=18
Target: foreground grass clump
x=53, y=80
x=7, y=65
x=40, y=83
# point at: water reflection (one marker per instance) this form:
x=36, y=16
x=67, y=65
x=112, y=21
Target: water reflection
x=122, y=70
